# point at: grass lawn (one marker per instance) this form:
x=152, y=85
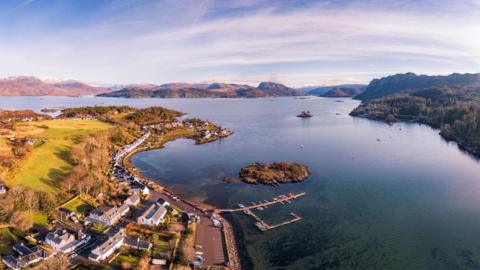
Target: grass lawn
x=49, y=163
x=39, y=219
x=78, y=206
x=97, y=228
x=126, y=258
x=160, y=246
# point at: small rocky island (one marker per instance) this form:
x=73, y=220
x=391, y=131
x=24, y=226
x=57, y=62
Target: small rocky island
x=272, y=173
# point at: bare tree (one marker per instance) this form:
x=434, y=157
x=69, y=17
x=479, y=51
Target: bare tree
x=58, y=262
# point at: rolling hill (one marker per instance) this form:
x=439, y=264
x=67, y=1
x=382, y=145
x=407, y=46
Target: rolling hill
x=31, y=86
x=410, y=82
x=215, y=90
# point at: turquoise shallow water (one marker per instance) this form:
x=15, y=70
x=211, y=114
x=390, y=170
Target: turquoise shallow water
x=408, y=201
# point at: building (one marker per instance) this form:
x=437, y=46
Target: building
x=108, y=217
x=162, y=202
x=3, y=190
x=66, y=213
x=26, y=256
x=136, y=185
x=63, y=241
x=133, y=200
x=114, y=242
x=107, y=248
x=153, y=215
x=136, y=243
x=161, y=262
x=193, y=218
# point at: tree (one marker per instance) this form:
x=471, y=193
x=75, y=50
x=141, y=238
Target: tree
x=143, y=263
x=126, y=265
x=58, y=262
x=21, y=221
x=46, y=201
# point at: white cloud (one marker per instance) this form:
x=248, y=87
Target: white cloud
x=295, y=46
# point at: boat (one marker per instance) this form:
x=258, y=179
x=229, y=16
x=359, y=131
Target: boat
x=305, y=114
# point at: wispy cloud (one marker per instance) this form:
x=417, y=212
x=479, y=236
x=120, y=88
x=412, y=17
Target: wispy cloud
x=323, y=42
x=24, y=3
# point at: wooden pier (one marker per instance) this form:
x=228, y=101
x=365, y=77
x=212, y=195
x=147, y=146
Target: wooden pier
x=260, y=223
x=265, y=203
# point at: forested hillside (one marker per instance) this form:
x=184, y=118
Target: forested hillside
x=455, y=110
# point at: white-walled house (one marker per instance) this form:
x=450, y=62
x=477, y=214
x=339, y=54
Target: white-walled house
x=153, y=215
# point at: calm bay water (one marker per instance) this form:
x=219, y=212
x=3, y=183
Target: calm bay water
x=408, y=201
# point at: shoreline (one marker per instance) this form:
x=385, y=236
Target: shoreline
x=228, y=232
x=462, y=146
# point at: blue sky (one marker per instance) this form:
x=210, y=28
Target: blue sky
x=246, y=41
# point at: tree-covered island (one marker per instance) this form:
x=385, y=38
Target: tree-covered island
x=272, y=173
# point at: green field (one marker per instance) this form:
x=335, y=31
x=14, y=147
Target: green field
x=78, y=205
x=39, y=219
x=48, y=163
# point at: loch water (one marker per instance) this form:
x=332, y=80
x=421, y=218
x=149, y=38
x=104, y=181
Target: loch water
x=380, y=196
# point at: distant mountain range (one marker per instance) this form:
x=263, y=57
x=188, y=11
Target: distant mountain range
x=214, y=90
x=342, y=90
x=410, y=82
x=31, y=86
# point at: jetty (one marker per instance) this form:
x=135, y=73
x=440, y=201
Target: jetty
x=265, y=203
x=260, y=223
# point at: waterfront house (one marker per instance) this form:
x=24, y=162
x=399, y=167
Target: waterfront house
x=136, y=185
x=107, y=248
x=108, y=217
x=162, y=202
x=26, y=256
x=153, y=215
x=63, y=241
x=133, y=200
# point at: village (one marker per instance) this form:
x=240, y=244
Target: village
x=150, y=227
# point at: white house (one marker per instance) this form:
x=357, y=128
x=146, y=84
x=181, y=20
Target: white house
x=136, y=185
x=109, y=217
x=153, y=215
x=162, y=202
x=106, y=249
x=26, y=256
x=63, y=241
x=133, y=200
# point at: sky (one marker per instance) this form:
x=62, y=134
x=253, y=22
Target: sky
x=297, y=43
